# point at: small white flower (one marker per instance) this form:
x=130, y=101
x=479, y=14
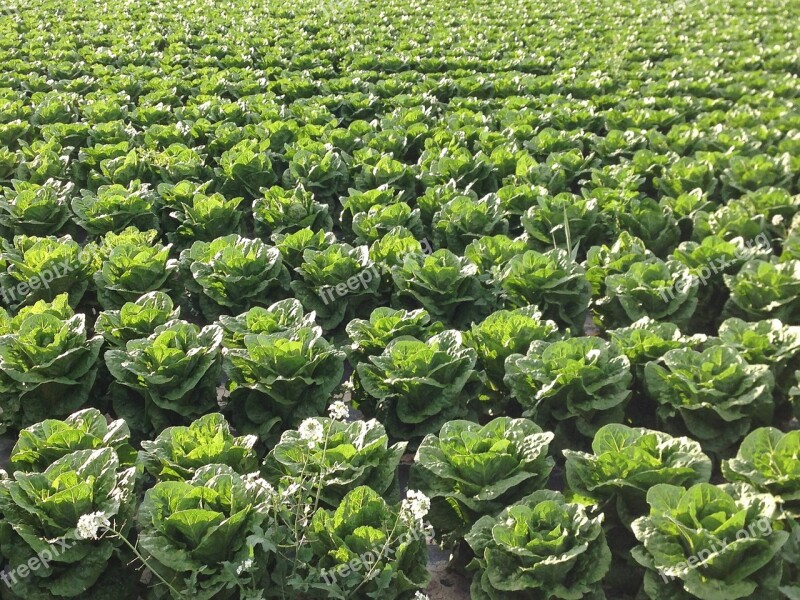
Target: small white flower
x=89, y=525
x=338, y=411
x=416, y=506
x=311, y=431
x=592, y=354
x=777, y=220
x=245, y=566
x=420, y=596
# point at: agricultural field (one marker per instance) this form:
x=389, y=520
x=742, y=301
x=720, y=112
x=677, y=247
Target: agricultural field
x=392, y=300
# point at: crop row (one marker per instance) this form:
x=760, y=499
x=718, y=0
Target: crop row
x=318, y=518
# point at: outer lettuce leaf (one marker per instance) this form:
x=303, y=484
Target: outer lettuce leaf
x=348, y=455
x=540, y=548
x=469, y=471
x=415, y=386
x=713, y=396
x=178, y=452
x=692, y=545
x=574, y=386
x=767, y=460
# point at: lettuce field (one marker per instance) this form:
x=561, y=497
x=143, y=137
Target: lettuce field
x=297, y=296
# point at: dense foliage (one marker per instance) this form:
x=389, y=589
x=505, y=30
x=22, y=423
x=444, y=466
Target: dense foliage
x=692, y=541
x=541, y=547
x=255, y=255
x=469, y=471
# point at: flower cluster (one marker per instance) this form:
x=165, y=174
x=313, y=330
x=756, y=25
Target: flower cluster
x=90, y=526
x=338, y=411
x=415, y=507
x=311, y=431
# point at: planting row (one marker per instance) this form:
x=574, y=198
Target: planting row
x=276, y=368
x=477, y=266
x=319, y=517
